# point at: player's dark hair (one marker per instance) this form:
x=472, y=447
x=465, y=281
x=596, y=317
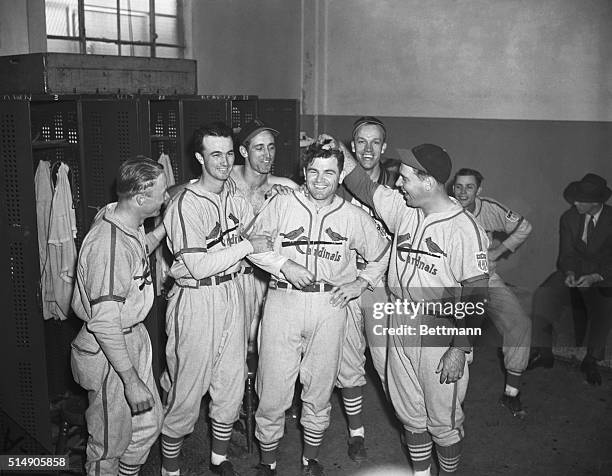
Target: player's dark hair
x=215, y=129
x=319, y=151
x=136, y=176
x=471, y=172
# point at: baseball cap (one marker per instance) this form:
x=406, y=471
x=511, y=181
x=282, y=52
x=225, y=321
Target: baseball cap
x=368, y=120
x=253, y=128
x=428, y=158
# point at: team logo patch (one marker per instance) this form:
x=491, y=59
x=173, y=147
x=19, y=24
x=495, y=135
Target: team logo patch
x=233, y=218
x=335, y=236
x=482, y=262
x=292, y=235
x=512, y=217
x=214, y=232
x=433, y=247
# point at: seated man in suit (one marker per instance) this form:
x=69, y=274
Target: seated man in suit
x=584, y=273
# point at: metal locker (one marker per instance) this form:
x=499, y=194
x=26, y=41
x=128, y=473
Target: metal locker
x=284, y=116
x=24, y=400
x=110, y=135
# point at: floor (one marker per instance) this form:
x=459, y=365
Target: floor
x=567, y=431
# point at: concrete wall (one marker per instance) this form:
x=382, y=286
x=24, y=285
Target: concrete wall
x=245, y=47
x=502, y=59
x=22, y=27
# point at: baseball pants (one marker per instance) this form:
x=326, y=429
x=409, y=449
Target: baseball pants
x=421, y=402
x=377, y=344
x=255, y=285
x=114, y=433
x=352, y=364
x=511, y=321
x=301, y=333
x=206, y=352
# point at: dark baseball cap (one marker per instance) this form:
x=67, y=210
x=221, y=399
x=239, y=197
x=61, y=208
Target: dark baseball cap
x=253, y=128
x=368, y=120
x=428, y=158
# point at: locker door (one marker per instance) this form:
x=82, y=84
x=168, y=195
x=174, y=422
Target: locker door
x=24, y=402
x=111, y=134
x=196, y=112
x=283, y=115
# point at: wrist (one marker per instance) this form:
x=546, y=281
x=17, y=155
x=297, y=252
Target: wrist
x=364, y=283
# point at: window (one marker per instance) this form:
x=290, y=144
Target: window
x=115, y=27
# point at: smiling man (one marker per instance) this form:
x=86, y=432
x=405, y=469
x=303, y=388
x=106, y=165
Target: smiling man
x=205, y=317
x=503, y=308
x=438, y=256
x=314, y=279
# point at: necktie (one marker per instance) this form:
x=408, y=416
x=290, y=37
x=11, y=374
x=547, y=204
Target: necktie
x=590, y=228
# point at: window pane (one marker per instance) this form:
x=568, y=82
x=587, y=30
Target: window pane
x=135, y=50
x=141, y=6
x=100, y=48
x=166, y=29
x=63, y=46
x=135, y=27
x=107, y=4
x=167, y=52
x=100, y=23
x=167, y=7
x=62, y=17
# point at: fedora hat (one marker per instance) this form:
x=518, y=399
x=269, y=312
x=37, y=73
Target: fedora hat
x=591, y=188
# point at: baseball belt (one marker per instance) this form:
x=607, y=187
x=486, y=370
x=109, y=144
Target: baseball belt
x=210, y=281
x=311, y=288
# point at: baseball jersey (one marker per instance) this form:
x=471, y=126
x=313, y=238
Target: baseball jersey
x=114, y=289
x=204, y=232
x=493, y=216
x=323, y=241
x=431, y=255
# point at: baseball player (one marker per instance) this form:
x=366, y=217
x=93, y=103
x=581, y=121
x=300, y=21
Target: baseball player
x=205, y=320
x=254, y=180
x=503, y=307
x=111, y=355
x=368, y=144
x=314, y=277
x=438, y=257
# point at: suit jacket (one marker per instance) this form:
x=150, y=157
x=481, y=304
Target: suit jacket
x=581, y=258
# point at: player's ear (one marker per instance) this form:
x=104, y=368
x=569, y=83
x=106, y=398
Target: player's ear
x=479, y=190
x=139, y=199
x=353, y=146
x=243, y=152
x=199, y=158
x=383, y=148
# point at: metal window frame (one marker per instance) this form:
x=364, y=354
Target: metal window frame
x=152, y=44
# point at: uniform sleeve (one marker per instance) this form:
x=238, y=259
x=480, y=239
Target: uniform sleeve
x=106, y=280
x=469, y=244
x=267, y=222
x=187, y=232
x=511, y=223
x=373, y=246
x=385, y=201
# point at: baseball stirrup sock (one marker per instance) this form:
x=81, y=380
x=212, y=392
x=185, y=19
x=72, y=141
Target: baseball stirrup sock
x=221, y=434
x=352, y=398
x=126, y=469
x=419, y=447
x=449, y=457
x=312, y=441
x=171, y=449
x=513, y=380
x=268, y=452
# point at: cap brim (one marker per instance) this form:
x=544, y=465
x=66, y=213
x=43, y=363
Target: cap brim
x=253, y=133
x=407, y=158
